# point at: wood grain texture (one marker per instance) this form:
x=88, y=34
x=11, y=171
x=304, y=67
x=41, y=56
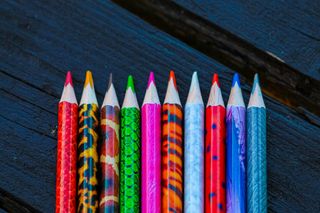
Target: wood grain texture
x=40, y=41
x=288, y=30
x=297, y=91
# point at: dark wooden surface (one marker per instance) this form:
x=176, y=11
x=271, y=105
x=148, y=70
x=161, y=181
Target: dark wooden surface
x=40, y=41
x=289, y=30
x=298, y=90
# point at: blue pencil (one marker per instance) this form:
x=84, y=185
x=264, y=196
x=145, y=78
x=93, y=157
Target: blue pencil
x=236, y=150
x=256, y=151
x=194, y=150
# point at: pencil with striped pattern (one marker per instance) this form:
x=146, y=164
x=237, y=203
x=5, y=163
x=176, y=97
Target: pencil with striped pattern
x=236, y=150
x=130, y=151
x=256, y=151
x=87, y=148
x=172, y=150
x=67, y=149
x=194, y=149
x=215, y=151
x=109, y=151
x=151, y=150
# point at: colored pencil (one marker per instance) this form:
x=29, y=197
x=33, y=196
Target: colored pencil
x=67, y=149
x=194, y=149
x=109, y=151
x=151, y=150
x=236, y=150
x=130, y=152
x=172, y=150
x=215, y=154
x=87, y=148
x=256, y=151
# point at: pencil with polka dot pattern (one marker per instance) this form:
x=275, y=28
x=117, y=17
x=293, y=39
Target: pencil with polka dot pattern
x=215, y=151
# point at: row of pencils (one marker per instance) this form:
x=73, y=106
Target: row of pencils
x=200, y=159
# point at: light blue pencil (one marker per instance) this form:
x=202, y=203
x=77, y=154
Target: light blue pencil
x=194, y=149
x=236, y=150
x=256, y=151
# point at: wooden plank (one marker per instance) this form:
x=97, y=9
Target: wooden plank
x=298, y=90
x=41, y=41
x=288, y=30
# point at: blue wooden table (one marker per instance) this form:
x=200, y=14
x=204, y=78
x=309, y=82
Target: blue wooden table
x=40, y=41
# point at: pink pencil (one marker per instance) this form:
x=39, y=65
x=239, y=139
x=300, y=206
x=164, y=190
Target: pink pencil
x=151, y=150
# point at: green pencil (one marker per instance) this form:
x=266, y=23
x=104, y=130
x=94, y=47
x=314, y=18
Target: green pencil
x=130, y=152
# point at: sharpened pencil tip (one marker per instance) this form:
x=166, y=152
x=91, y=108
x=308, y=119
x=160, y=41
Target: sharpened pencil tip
x=130, y=83
x=151, y=78
x=173, y=77
x=68, y=79
x=215, y=79
x=236, y=79
x=255, y=82
x=110, y=81
x=194, y=79
x=89, y=79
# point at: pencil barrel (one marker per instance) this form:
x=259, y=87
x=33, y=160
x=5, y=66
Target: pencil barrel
x=194, y=158
x=66, y=157
x=236, y=159
x=215, y=160
x=109, y=159
x=172, y=158
x=151, y=158
x=130, y=160
x=256, y=160
x=88, y=158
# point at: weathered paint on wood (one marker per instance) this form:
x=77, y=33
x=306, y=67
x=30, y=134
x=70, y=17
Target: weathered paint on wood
x=41, y=41
x=286, y=29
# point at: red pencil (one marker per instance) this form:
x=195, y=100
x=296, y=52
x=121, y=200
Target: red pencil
x=215, y=156
x=67, y=149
